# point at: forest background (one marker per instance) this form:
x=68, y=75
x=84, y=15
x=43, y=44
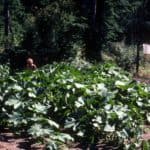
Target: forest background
x=52, y=30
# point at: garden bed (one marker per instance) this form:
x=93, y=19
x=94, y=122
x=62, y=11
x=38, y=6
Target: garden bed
x=89, y=103
x=9, y=141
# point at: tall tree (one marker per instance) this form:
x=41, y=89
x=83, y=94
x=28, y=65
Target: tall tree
x=1, y=27
x=6, y=16
x=93, y=11
x=7, y=22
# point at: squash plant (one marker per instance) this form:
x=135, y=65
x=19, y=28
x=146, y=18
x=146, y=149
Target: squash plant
x=60, y=103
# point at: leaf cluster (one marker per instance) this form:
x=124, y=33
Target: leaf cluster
x=60, y=102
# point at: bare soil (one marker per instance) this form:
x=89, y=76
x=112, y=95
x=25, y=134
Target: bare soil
x=10, y=141
x=142, y=80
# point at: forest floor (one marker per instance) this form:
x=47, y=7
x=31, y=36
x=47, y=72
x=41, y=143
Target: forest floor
x=9, y=141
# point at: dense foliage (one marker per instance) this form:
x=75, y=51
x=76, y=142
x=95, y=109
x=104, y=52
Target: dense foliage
x=61, y=102
x=118, y=16
x=57, y=27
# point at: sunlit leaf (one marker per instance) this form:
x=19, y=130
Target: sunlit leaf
x=80, y=133
x=32, y=95
x=79, y=102
x=13, y=102
x=78, y=85
x=109, y=128
x=148, y=117
x=17, y=87
x=120, y=83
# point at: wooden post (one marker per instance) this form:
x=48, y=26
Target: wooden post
x=137, y=57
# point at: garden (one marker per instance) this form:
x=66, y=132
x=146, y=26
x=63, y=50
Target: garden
x=74, y=75
x=62, y=103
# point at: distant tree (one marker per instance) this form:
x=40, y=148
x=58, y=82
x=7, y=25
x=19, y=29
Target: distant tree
x=120, y=20
x=58, y=26
x=93, y=11
x=6, y=21
x=2, y=26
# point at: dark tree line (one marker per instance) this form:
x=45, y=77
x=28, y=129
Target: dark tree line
x=53, y=28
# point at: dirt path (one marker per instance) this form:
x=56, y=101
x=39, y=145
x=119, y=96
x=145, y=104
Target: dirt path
x=142, y=80
x=9, y=141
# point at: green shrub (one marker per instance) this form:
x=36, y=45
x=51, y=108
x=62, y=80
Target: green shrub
x=60, y=102
x=125, y=56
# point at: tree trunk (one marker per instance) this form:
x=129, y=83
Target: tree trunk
x=138, y=57
x=7, y=22
x=6, y=16
x=94, y=12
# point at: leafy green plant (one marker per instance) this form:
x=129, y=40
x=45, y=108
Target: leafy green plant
x=60, y=103
x=146, y=145
x=125, y=56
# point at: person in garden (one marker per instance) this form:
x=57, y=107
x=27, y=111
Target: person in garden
x=30, y=64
